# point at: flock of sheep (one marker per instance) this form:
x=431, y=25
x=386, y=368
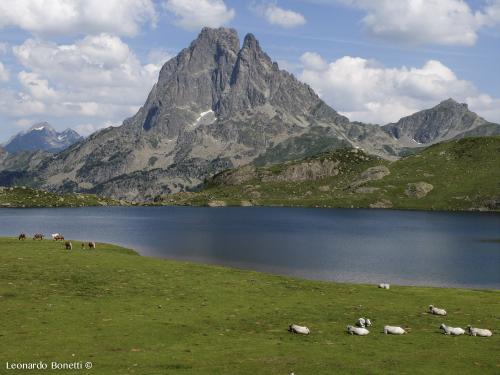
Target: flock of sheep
x=58, y=237
x=360, y=328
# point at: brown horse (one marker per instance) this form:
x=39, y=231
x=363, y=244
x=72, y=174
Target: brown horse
x=38, y=236
x=22, y=236
x=91, y=245
x=68, y=245
x=83, y=245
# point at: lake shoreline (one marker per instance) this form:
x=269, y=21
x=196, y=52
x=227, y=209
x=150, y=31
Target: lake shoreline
x=342, y=245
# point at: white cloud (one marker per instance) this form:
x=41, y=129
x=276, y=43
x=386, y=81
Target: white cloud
x=278, y=16
x=63, y=17
x=4, y=73
x=88, y=128
x=366, y=91
x=195, y=14
x=312, y=60
x=445, y=22
x=97, y=77
x=38, y=88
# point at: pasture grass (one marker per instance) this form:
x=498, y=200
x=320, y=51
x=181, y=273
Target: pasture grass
x=129, y=314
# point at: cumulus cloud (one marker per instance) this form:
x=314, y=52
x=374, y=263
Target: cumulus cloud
x=62, y=17
x=195, y=14
x=445, y=22
x=365, y=90
x=97, y=77
x=278, y=16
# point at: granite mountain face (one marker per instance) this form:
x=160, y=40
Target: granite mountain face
x=42, y=136
x=216, y=105
x=219, y=105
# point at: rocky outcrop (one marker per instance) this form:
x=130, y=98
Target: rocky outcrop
x=307, y=171
x=217, y=203
x=418, y=189
x=383, y=203
x=371, y=174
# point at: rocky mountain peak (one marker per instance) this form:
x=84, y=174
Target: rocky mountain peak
x=441, y=122
x=452, y=104
x=42, y=136
x=222, y=35
x=40, y=126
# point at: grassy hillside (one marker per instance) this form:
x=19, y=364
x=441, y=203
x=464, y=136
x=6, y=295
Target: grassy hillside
x=22, y=196
x=463, y=175
x=134, y=315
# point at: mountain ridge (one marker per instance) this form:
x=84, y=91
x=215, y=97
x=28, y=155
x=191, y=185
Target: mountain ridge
x=216, y=106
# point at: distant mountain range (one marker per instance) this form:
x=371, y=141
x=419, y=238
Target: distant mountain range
x=42, y=137
x=216, y=106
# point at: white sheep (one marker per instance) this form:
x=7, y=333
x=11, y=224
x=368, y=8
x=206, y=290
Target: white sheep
x=364, y=322
x=294, y=328
x=454, y=331
x=482, y=332
x=384, y=286
x=436, y=311
x=394, y=330
x=357, y=331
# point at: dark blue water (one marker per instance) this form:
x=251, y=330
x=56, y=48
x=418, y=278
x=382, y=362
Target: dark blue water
x=361, y=246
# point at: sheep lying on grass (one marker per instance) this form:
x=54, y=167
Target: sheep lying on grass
x=481, y=332
x=364, y=322
x=384, y=286
x=436, y=311
x=394, y=330
x=294, y=328
x=453, y=331
x=357, y=331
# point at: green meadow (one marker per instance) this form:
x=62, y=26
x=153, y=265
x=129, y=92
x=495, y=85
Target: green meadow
x=129, y=314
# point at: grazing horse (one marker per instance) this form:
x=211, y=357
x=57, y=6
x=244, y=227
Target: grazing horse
x=91, y=245
x=38, y=236
x=68, y=245
x=22, y=236
x=83, y=245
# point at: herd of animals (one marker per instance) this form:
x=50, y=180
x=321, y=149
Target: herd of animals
x=360, y=328
x=68, y=245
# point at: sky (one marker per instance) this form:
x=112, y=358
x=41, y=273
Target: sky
x=89, y=64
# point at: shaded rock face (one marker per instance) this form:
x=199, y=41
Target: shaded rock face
x=418, y=189
x=371, y=174
x=42, y=137
x=445, y=121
